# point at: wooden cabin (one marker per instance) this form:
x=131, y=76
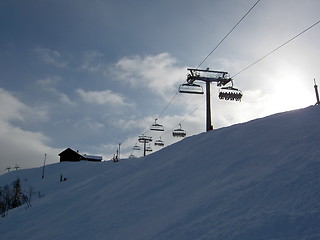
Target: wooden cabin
x=69, y=155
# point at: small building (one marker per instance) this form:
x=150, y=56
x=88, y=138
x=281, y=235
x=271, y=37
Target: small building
x=69, y=155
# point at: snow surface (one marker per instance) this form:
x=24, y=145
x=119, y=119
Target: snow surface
x=251, y=181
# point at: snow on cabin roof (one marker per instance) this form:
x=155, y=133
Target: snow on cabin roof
x=93, y=157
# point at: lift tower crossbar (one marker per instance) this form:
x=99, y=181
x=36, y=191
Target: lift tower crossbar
x=221, y=78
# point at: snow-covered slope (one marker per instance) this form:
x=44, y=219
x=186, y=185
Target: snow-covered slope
x=256, y=180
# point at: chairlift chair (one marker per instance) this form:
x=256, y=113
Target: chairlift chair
x=191, y=88
x=159, y=143
x=230, y=93
x=131, y=156
x=148, y=149
x=179, y=132
x=136, y=147
x=156, y=126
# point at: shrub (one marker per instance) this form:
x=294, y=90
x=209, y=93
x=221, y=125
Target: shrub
x=13, y=197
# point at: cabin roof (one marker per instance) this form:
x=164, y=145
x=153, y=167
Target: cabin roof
x=69, y=151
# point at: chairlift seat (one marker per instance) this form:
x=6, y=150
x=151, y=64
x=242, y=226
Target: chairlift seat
x=148, y=149
x=230, y=93
x=136, y=147
x=179, y=133
x=191, y=88
x=156, y=126
x=159, y=143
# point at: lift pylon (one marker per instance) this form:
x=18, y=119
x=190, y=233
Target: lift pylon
x=317, y=93
x=144, y=139
x=208, y=76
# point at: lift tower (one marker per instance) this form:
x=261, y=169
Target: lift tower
x=208, y=76
x=317, y=93
x=144, y=139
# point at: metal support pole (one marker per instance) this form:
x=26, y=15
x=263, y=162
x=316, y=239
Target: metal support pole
x=317, y=93
x=144, y=147
x=208, y=106
x=44, y=164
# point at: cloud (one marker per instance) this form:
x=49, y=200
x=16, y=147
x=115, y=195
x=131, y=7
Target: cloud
x=11, y=108
x=48, y=84
x=159, y=73
x=106, y=97
x=51, y=57
x=14, y=110
x=49, y=81
x=89, y=123
x=131, y=123
x=92, y=61
x=18, y=146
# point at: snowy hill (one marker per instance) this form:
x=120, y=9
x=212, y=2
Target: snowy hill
x=251, y=181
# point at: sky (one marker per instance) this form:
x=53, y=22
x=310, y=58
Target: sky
x=92, y=74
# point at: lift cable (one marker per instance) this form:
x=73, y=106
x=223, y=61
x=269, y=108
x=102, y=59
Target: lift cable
x=169, y=131
x=168, y=104
x=212, y=52
x=192, y=112
x=209, y=55
x=228, y=34
x=257, y=62
x=202, y=63
x=276, y=48
x=260, y=59
x=148, y=129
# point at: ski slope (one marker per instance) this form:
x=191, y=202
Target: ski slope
x=252, y=181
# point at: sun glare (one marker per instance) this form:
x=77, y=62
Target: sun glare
x=290, y=94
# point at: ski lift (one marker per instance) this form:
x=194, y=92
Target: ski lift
x=230, y=93
x=191, y=88
x=131, y=156
x=156, y=126
x=136, y=147
x=179, y=132
x=159, y=143
x=144, y=139
x=148, y=149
